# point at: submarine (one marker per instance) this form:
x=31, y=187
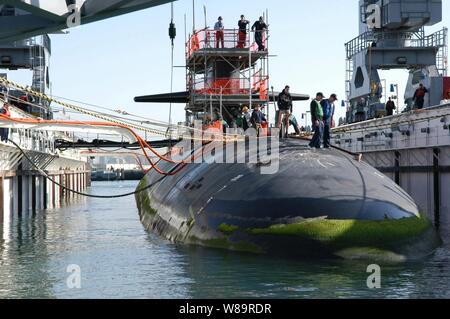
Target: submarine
x=319, y=202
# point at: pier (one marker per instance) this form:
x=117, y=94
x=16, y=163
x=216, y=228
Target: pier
x=22, y=187
x=413, y=149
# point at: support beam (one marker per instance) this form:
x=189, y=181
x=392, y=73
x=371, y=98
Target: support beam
x=33, y=193
x=21, y=25
x=437, y=187
x=55, y=13
x=1, y=200
x=57, y=126
x=19, y=195
x=48, y=9
x=62, y=144
x=397, y=168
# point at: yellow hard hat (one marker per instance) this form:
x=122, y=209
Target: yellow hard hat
x=245, y=109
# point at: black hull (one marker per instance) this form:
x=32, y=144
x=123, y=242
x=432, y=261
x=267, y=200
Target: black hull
x=321, y=202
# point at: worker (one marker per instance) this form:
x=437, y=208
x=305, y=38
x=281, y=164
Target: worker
x=360, y=114
x=23, y=103
x=4, y=132
x=225, y=125
x=242, y=38
x=328, y=115
x=247, y=123
x=207, y=121
x=3, y=92
x=317, y=121
x=294, y=123
x=260, y=27
x=419, y=96
x=446, y=99
x=257, y=119
x=238, y=120
x=390, y=107
x=285, y=109
x=218, y=27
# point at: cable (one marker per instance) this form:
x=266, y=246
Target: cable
x=143, y=144
x=43, y=173
x=172, y=36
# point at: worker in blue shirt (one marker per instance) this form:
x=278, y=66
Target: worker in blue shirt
x=328, y=114
x=258, y=119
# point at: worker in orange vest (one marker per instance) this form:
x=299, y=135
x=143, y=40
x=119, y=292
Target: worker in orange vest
x=419, y=96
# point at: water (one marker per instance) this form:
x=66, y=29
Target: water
x=119, y=259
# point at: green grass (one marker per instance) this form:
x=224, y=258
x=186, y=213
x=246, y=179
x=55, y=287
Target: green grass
x=351, y=231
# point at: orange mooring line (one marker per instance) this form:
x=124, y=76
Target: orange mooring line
x=142, y=143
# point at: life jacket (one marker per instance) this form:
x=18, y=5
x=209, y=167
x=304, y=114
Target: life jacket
x=195, y=43
x=420, y=92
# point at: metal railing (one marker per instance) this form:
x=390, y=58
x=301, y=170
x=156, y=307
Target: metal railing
x=233, y=86
x=225, y=39
x=358, y=44
x=437, y=40
x=414, y=40
x=31, y=140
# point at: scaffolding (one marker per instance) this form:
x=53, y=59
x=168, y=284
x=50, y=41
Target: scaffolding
x=39, y=56
x=225, y=73
x=31, y=54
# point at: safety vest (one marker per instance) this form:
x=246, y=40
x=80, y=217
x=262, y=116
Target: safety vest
x=420, y=92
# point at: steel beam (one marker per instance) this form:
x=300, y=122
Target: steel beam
x=55, y=19
x=48, y=9
x=62, y=144
x=56, y=126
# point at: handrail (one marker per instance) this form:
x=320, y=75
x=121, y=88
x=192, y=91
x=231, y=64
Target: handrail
x=233, y=86
x=211, y=39
x=38, y=141
x=365, y=40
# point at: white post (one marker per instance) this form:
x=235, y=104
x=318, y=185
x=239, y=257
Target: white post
x=211, y=106
x=221, y=99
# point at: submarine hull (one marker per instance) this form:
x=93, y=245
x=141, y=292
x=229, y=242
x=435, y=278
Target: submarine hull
x=318, y=203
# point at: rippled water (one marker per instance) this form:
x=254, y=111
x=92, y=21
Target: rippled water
x=119, y=259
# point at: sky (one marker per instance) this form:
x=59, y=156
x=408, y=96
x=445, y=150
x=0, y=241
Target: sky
x=110, y=62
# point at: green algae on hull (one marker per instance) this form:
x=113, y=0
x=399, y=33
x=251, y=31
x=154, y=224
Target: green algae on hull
x=371, y=253
x=351, y=231
x=227, y=229
x=143, y=200
x=390, y=240
x=226, y=244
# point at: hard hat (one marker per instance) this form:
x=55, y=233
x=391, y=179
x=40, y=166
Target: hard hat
x=245, y=109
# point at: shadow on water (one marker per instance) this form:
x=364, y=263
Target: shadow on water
x=218, y=274
x=119, y=259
